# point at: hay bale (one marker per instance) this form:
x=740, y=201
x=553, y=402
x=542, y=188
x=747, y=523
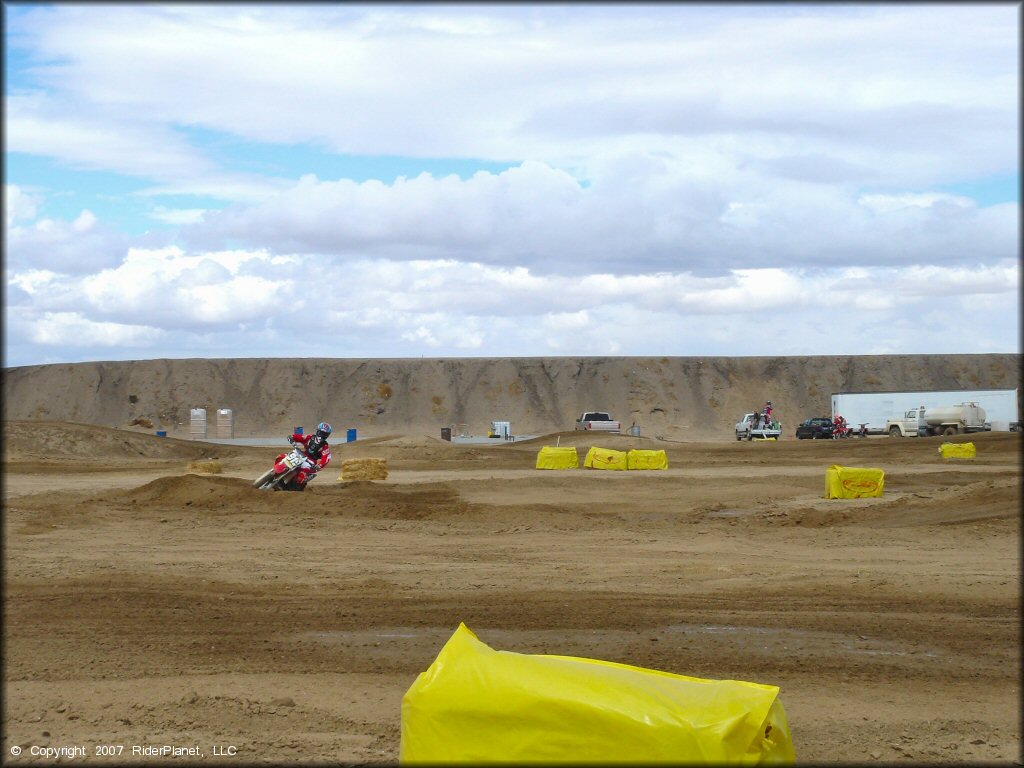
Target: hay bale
x=206, y=467
x=364, y=469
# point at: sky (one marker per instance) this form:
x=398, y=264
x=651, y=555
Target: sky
x=509, y=180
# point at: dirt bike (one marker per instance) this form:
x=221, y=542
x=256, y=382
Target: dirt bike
x=286, y=466
x=841, y=429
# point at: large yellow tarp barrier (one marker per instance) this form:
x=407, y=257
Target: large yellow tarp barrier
x=958, y=450
x=554, y=457
x=478, y=705
x=605, y=458
x=853, y=482
x=643, y=459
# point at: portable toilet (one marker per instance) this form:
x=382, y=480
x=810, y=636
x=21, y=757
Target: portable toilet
x=197, y=424
x=225, y=423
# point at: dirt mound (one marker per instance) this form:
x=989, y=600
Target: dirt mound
x=972, y=501
x=196, y=491
x=365, y=498
x=190, y=494
x=51, y=439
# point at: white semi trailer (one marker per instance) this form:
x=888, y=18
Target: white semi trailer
x=876, y=408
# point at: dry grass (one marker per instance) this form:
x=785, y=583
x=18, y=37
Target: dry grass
x=364, y=469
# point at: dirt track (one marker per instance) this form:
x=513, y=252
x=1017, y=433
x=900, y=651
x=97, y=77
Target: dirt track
x=151, y=606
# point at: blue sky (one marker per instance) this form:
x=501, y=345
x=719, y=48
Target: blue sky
x=199, y=180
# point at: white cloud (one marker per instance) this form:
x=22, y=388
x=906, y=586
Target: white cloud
x=535, y=82
x=561, y=322
x=752, y=289
x=892, y=203
x=929, y=281
x=87, y=137
x=683, y=179
x=33, y=281
x=537, y=216
x=178, y=215
x=72, y=329
x=200, y=311
x=86, y=220
x=77, y=247
x=19, y=204
x=421, y=335
x=176, y=290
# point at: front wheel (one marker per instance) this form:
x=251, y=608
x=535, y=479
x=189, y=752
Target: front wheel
x=263, y=478
x=284, y=482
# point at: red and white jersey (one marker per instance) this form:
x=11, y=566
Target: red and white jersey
x=315, y=447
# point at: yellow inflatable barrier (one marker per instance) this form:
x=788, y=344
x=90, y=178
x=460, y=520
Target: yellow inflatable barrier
x=853, y=482
x=553, y=457
x=643, y=459
x=478, y=705
x=958, y=450
x=605, y=458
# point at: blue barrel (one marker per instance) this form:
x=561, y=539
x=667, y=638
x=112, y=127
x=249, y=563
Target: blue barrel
x=161, y=433
x=298, y=430
x=351, y=436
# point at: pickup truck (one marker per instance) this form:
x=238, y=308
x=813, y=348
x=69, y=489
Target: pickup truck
x=750, y=427
x=597, y=420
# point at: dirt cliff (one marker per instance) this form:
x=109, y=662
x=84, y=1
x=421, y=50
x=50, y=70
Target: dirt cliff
x=676, y=397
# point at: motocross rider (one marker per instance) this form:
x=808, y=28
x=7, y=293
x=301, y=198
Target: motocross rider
x=318, y=454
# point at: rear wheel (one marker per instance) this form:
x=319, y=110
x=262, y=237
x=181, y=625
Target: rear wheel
x=951, y=430
x=894, y=431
